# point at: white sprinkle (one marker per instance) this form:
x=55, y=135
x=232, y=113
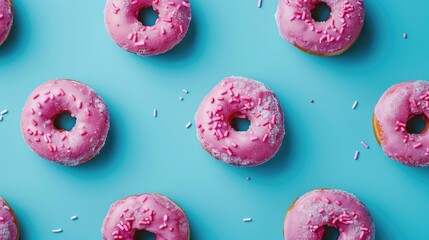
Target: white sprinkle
x=4, y=112
x=259, y=3
x=185, y=91
x=354, y=104
x=247, y=219
x=356, y=155
x=181, y=98
x=155, y=113
x=1, y=118
x=57, y=230
x=364, y=144
x=188, y=125
x=73, y=217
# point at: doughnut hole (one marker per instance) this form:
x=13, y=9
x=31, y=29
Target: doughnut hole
x=147, y=16
x=239, y=122
x=417, y=124
x=321, y=12
x=330, y=233
x=144, y=235
x=64, y=121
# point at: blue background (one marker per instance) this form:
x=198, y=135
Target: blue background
x=67, y=39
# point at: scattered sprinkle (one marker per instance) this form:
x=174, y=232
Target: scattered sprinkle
x=4, y=112
x=188, y=125
x=259, y=3
x=155, y=112
x=181, y=98
x=364, y=144
x=312, y=101
x=73, y=218
x=356, y=155
x=404, y=35
x=247, y=219
x=57, y=230
x=185, y=91
x=1, y=118
x=354, y=104
x=248, y=178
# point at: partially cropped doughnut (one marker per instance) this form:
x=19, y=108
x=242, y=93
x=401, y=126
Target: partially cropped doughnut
x=394, y=109
x=146, y=212
x=69, y=148
x=331, y=37
x=6, y=19
x=243, y=98
x=121, y=19
x=307, y=217
x=8, y=224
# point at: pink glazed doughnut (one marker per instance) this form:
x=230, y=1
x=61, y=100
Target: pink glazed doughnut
x=394, y=109
x=146, y=212
x=8, y=225
x=308, y=215
x=244, y=98
x=331, y=37
x=6, y=19
x=121, y=19
x=69, y=148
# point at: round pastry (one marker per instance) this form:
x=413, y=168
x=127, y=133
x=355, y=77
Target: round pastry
x=53, y=98
x=307, y=217
x=8, y=225
x=394, y=109
x=146, y=212
x=6, y=19
x=121, y=19
x=328, y=38
x=238, y=97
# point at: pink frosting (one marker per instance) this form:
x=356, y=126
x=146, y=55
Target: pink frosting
x=307, y=217
x=146, y=212
x=125, y=29
x=331, y=37
x=393, y=110
x=246, y=98
x=8, y=224
x=6, y=19
x=69, y=148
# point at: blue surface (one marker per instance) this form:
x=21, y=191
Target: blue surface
x=55, y=39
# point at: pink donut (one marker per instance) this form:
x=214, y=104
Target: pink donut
x=243, y=98
x=146, y=212
x=69, y=148
x=6, y=19
x=8, y=225
x=394, y=109
x=122, y=24
x=308, y=215
x=328, y=38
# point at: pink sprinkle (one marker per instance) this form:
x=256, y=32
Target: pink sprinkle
x=265, y=138
x=234, y=144
x=33, y=122
x=321, y=210
x=188, y=5
x=83, y=132
x=404, y=35
x=418, y=145
x=63, y=137
x=259, y=101
x=253, y=138
x=1, y=16
x=36, y=96
x=273, y=120
x=311, y=101
x=338, y=203
x=259, y=3
x=229, y=152
x=356, y=155
x=73, y=97
x=327, y=200
x=364, y=144
x=181, y=28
